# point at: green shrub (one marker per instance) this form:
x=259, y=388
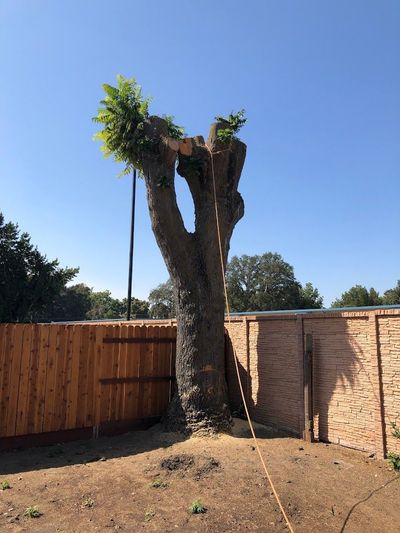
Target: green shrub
x=33, y=512
x=197, y=507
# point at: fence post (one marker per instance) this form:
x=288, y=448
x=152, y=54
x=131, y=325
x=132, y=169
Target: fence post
x=308, y=433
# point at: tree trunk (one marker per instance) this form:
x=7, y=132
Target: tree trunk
x=194, y=263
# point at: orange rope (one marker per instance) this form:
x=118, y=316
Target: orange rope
x=235, y=355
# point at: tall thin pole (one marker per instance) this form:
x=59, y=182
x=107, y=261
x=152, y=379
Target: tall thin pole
x=128, y=314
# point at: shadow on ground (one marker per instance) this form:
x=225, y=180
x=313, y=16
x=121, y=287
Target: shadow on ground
x=104, y=448
x=87, y=451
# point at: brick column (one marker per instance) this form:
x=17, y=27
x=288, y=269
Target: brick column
x=376, y=379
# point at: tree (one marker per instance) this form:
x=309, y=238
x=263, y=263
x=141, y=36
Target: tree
x=72, y=303
x=139, y=308
x=103, y=305
x=162, y=301
x=310, y=297
x=266, y=283
x=358, y=296
x=212, y=171
x=29, y=282
x=392, y=296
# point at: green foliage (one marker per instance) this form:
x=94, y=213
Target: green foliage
x=29, y=282
x=394, y=460
x=392, y=296
x=392, y=457
x=33, y=512
x=162, y=301
x=149, y=514
x=266, y=283
x=234, y=121
x=5, y=485
x=190, y=166
x=358, y=296
x=310, y=297
x=197, y=507
x=123, y=114
x=88, y=502
x=395, y=430
x=158, y=483
x=174, y=131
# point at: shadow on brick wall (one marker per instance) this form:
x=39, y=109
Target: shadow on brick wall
x=342, y=385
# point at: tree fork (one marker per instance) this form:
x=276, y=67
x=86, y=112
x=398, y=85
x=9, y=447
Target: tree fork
x=194, y=263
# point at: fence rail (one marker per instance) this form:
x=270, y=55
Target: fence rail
x=56, y=377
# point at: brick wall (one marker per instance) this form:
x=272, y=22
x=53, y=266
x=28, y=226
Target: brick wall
x=356, y=373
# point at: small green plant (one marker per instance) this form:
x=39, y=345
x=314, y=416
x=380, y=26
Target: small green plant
x=392, y=457
x=234, y=121
x=394, y=460
x=5, y=485
x=88, y=502
x=197, y=507
x=395, y=430
x=174, y=131
x=33, y=512
x=158, y=483
x=149, y=514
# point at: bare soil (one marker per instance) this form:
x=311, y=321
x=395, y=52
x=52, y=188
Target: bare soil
x=147, y=480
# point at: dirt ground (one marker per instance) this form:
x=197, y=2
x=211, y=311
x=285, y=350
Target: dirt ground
x=147, y=480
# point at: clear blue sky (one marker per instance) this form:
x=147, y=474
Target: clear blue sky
x=320, y=82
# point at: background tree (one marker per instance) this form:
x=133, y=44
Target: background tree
x=266, y=283
x=162, y=301
x=29, y=282
x=156, y=147
x=358, y=296
x=310, y=297
x=72, y=303
x=392, y=296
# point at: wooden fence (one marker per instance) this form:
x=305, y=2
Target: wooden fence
x=57, y=377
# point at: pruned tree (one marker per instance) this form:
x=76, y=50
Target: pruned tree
x=212, y=169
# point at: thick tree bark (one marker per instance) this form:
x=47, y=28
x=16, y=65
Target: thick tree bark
x=193, y=261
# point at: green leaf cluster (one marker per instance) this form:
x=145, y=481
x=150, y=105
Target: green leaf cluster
x=197, y=507
x=123, y=113
x=235, y=121
x=174, y=131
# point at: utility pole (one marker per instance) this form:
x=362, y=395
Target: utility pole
x=128, y=314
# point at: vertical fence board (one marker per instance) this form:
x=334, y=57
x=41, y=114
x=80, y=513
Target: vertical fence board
x=23, y=397
x=14, y=378
x=106, y=366
x=82, y=378
x=50, y=392
x=4, y=378
x=91, y=354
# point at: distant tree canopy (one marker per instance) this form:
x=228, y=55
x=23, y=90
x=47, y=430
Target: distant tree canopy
x=360, y=296
x=34, y=289
x=392, y=296
x=80, y=302
x=162, y=301
x=255, y=283
x=266, y=283
x=29, y=282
